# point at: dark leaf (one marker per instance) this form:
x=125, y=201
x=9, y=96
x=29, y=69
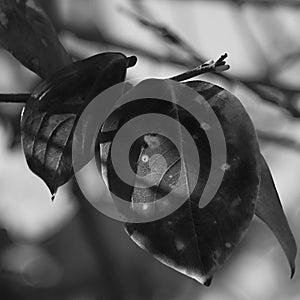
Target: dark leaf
x=50, y=115
x=193, y=241
x=269, y=209
x=27, y=33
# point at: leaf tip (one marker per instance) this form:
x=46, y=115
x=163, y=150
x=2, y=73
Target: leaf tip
x=202, y=279
x=52, y=188
x=292, y=264
x=293, y=270
x=53, y=192
x=208, y=281
x=53, y=195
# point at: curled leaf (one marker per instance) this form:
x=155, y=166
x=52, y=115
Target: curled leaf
x=51, y=113
x=27, y=33
x=270, y=211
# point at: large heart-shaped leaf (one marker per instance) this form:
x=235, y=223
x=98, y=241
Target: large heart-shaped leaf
x=195, y=241
x=51, y=113
x=27, y=33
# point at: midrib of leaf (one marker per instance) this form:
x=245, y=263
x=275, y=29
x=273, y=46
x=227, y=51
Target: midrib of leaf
x=175, y=101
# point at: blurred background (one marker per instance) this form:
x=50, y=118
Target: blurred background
x=66, y=249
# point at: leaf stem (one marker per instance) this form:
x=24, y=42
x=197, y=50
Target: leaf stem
x=14, y=98
x=210, y=66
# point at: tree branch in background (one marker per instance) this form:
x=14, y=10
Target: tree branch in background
x=265, y=88
x=279, y=140
x=269, y=91
x=165, y=33
x=285, y=61
x=292, y=3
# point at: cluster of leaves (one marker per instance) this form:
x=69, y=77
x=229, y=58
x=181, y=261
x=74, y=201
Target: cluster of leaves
x=194, y=241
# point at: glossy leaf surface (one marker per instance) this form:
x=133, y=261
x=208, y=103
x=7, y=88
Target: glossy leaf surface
x=191, y=240
x=51, y=113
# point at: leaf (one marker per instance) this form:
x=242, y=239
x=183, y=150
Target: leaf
x=27, y=33
x=270, y=211
x=194, y=241
x=50, y=115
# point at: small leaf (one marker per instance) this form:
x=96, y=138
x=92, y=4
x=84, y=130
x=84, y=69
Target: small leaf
x=270, y=211
x=51, y=113
x=194, y=241
x=27, y=33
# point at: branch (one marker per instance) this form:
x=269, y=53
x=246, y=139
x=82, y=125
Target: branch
x=210, y=66
x=255, y=86
x=285, y=61
x=14, y=98
x=168, y=59
x=79, y=37
x=293, y=3
x=165, y=33
x=280, y=140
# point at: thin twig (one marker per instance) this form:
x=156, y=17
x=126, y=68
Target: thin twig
x=14, y=98
x=210, y=66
